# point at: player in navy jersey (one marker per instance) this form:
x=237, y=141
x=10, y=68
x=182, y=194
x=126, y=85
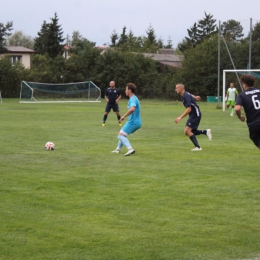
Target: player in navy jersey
x=193, y=110
x=134, y=120
x=249, y=99
x=112, y=97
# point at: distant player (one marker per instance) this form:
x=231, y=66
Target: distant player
x=249, y=99
x=112, y=97
x=134, y=120
x=193, y=110
x=231, y=97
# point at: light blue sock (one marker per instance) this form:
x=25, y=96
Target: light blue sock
x=119, y=145
x=125, y=141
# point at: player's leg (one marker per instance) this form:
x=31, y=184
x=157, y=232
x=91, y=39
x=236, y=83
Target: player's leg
x=232, y=108
x=123, y=140
x=254, y=134
x=107, y=110
x=116, y=110
x=206, y=132
x=192, y=125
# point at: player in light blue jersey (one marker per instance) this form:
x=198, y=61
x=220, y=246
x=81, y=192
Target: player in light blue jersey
x=134, y=120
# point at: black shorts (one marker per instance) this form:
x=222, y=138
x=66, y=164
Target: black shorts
x=109, y=106
x=254, y=134
x=193, y=122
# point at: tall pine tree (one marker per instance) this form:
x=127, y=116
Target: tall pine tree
x=50, y=38
x=5, y=30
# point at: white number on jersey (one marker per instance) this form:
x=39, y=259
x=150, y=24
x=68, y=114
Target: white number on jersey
x=256, y=102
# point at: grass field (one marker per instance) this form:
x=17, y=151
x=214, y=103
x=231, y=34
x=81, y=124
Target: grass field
x=164, y=202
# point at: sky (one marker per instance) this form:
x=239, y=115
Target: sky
x=96, y=20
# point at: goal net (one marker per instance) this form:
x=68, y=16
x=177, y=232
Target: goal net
x=233, y=76
x=33, y=92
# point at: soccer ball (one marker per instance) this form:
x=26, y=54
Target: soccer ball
x=49, y=146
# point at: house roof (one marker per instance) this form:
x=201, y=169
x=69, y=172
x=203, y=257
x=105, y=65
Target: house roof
x=19, y=49
x=163, y=57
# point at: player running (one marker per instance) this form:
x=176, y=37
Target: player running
x=193, y=110
x=249, y=99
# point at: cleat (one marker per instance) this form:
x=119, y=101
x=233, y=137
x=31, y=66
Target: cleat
x=120, y=124
x=131, y=151
x=208, y=134
x=231, y=114
x=115, y=151
x=103, y=124
x=196, y=149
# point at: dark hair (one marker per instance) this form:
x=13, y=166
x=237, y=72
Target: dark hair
x=248, y=79
x=131, y=86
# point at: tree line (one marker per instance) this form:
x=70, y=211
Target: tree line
x=124, y=62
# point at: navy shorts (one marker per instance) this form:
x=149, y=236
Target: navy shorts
x=254, y=134
x=193, y=122
x=109, y=106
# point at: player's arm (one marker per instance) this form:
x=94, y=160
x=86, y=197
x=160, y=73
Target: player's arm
x=129, y=112
x=185, y=113
x=118, y=98
x=238, y=112
x=196, y=97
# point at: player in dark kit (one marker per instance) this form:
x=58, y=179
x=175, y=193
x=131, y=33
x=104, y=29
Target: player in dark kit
x=112, y=97
x=249, y=99
x=193, y=110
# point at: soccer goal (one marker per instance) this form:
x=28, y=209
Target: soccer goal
x=233, y=76
x=33, y=92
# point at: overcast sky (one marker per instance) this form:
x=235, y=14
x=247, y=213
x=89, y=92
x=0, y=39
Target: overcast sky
x=97, y=19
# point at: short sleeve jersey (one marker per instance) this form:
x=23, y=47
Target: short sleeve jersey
x=250, y=100
x=112, y=94
x=232, y=92
x=189, y=101
x=135, y=117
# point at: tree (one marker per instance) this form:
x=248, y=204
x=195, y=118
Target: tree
x=5, y=31
x=123, y=37
x=11, y=77
x=232, y=30
x=199, y=32
x=169, y=43
x=193, y=38
x=114, y=38
x=151, y=37
x=206, y=27
x=50, y=38
x=20, y=39
x=256, y=32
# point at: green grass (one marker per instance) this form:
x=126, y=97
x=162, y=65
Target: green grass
x=164, y=202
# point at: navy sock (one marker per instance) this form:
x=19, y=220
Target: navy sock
x=104, y=118
x=199, y=132
x=118, y=117
x=194, y=140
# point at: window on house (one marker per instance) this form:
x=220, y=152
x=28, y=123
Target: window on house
x=15, y=59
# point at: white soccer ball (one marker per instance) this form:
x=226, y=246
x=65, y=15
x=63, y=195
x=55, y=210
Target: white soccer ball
x=49, y=146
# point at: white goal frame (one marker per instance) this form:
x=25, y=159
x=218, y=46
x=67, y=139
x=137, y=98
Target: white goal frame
x=33, y=100
x=224, y=83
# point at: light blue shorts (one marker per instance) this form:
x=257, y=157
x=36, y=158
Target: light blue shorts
x=129, y=128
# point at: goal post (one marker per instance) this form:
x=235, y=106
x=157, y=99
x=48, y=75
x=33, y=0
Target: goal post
x=233, y=76
x=34, y=92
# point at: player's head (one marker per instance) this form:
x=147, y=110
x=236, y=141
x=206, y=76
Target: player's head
x=131, y=86
x=179, y=88
x=112, y=84
x=247, y=80
x=231, y=84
